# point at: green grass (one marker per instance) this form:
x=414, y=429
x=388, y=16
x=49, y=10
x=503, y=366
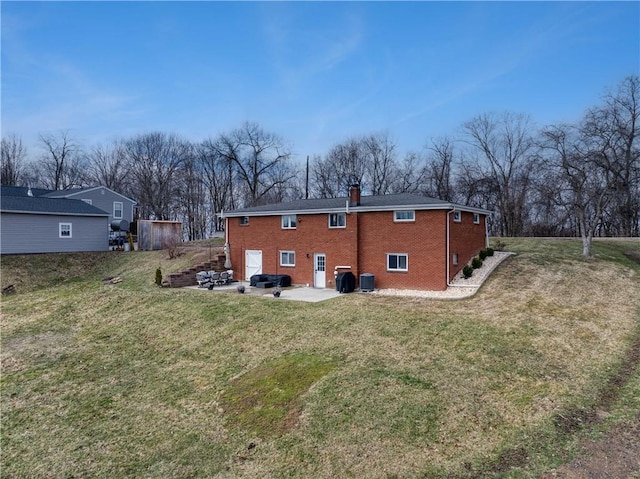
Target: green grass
x=131, y=380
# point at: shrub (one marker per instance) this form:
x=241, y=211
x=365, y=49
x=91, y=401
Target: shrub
x=159, y=277
x=490, y=251
x=482, y=255
x=467, y=272
x=476, y=262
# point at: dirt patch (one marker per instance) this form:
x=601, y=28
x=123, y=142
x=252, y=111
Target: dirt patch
x=633, y=256
x=618, y=454
x=615, y=456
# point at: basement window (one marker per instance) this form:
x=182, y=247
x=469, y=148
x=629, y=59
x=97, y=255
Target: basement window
x=397, y=262
x=64, y=230
x=287, y=258
x=337, y=220
x=289, y=222
x=455, y=259
x=404, y=216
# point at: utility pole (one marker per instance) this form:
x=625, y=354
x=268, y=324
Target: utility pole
x=306, y=194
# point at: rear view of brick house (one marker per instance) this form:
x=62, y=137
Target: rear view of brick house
x=405, y=241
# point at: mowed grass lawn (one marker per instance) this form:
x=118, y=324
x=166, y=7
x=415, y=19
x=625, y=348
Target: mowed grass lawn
x=131, y=380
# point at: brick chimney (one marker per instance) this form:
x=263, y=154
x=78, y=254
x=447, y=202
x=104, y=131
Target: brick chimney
x=354, y=195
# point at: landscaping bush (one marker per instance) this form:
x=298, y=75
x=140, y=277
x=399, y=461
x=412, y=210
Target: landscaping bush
x=489, y=251
x=467, y=272
x=482, y=255
x=476, y=262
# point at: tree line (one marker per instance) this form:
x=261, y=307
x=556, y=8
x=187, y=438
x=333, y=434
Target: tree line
x=579, y=179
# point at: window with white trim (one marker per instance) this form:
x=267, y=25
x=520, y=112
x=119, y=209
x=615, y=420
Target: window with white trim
x=476, y=218
x=397, y=262
x=289, y=222
x=287, y=258
x=408, y=215
x=64, y=230
x=457, y=216
x=337, y=220
x=455, y=259
x=117, y=210
x=244, y=220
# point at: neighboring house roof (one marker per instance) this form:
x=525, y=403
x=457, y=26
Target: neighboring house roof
x=22, y=191
x=367, y=203
x=80, y=191
x=48, y=206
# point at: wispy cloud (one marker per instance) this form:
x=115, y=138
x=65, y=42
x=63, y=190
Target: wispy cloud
x=299, y=53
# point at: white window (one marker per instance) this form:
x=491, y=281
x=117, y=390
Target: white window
x=287, y=258
x=455, y=259
x=288, y=221
x=117, y=210
x=89, y=202
x=244, y=220
x=397, y=262
x=476, y=218
x=457, y=216
x=64, y=230
x=404, y=216
x=337, y=220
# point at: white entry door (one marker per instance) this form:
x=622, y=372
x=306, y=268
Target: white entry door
x=252, y=263
x=320, y=266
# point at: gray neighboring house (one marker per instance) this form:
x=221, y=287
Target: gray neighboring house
x=118, y=206
x=33, y=222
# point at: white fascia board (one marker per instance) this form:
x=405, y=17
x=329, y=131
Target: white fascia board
x=86, y=190
x=229, y=214
x=358, y=209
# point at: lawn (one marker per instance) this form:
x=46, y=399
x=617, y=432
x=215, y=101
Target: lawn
x=132, y=380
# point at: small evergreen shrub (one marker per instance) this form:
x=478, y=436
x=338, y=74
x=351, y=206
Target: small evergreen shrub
x=159, y=277
x=490, y=251
x=476, y=262
x=467, y=272
x=482, y=255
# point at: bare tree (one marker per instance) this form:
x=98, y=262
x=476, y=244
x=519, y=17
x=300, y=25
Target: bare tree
x=108, y=167
x=381, y=167
x=192, y=198
x=585, y=180
x=411, y=176
x=439, y=169
x=13, y=154
x=217, y=171
x=504, y=147
x=153, y=160
x=613, y=128
x=259, y=158
x=62, y=166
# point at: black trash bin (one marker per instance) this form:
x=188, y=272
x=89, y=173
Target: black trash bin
x=345, y=282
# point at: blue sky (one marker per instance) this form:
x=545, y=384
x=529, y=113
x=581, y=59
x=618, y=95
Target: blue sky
x=315, y=73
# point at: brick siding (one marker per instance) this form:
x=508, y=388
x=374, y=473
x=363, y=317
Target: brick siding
x=363, y=245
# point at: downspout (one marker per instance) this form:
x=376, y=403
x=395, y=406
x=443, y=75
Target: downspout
x=227, y=250
x=449, y=283
x=448, y=246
